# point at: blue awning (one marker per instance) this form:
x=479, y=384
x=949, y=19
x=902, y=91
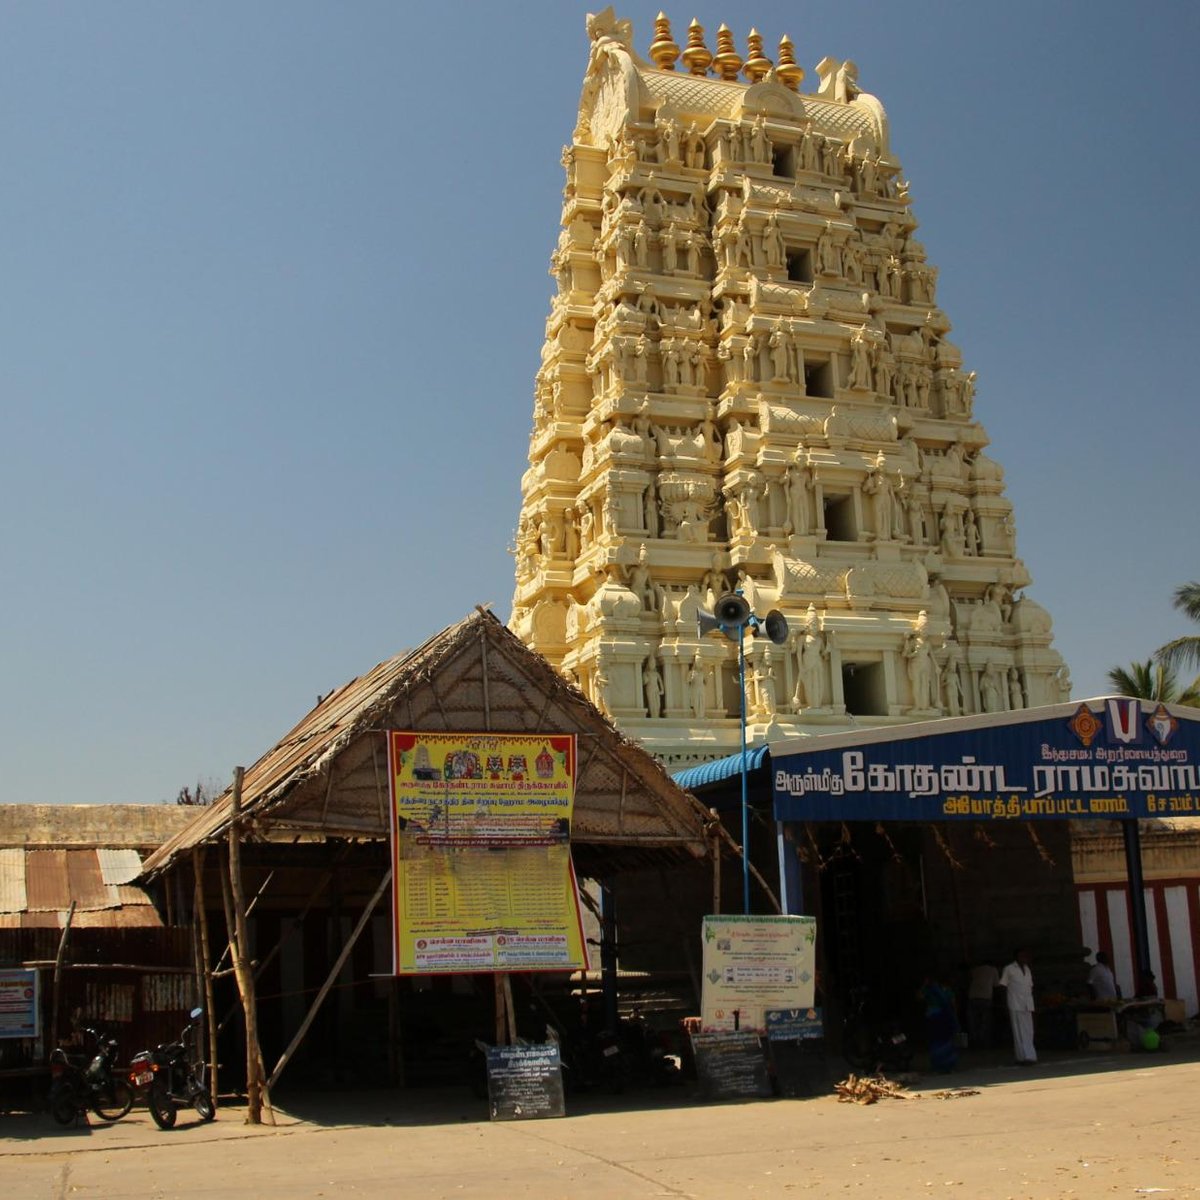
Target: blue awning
x=691, y=778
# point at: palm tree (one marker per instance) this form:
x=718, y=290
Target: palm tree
x=1152, y=680
x=1183, y=653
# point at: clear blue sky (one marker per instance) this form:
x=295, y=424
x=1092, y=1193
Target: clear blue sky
x=273, y=285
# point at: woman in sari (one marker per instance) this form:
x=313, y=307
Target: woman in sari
x=941, y=1024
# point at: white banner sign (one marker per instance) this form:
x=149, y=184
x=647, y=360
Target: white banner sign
x=752, y=964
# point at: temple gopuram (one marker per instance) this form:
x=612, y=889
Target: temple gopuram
x=747, y=384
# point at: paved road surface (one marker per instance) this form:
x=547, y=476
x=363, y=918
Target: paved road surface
x=1126, y=1126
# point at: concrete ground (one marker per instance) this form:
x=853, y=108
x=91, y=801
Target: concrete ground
x=1081, y=1126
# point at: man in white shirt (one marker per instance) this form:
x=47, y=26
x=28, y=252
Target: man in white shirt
x=1100, y=979
x=1017, y=981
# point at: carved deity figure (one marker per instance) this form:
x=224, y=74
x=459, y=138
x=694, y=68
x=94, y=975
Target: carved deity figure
x=861, y=375
x=780, y=354
x=829, y=260
x=991, y=689
x=639, y=581
x=774, y=249
x=1015, y=696
x=878, y=489
x=952, y=688
x=797, y=484
x=919, y=659
x=696, y=689
x=653, y=685
x=760, y=146
x=812, y=652
x=670, y=249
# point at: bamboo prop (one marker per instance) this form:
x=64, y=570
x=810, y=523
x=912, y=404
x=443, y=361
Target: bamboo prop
x=310, y=1016
x=510, y=1010
x=1038, y=845
x=498, y=989
x=257, y=1096
x=210, y=1006
x=58, y=966
x=766, y=887
x=217, y=970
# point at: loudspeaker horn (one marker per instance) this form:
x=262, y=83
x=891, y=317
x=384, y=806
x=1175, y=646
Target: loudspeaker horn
x=731, y=611
x=706, y=623
x=776, y=626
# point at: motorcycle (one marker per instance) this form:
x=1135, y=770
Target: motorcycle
x=178, y=1077
x=83, y=1081
x=869, y=1047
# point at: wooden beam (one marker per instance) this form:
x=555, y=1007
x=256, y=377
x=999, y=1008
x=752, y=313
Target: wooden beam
x=210, y=1006
x=257, y=1095
x=487, y=702
x=286, y=1056
x=52, y=1040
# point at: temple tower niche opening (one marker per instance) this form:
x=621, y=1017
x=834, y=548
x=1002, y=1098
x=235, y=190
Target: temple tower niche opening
x=747, y=383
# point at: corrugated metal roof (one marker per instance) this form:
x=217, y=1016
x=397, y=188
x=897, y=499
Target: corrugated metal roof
x=13, y=897
x=37, y=887
x=119, y=866
x=46, y=881
x=700, y=776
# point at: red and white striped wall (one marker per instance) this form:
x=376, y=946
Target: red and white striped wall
x=1173, y=924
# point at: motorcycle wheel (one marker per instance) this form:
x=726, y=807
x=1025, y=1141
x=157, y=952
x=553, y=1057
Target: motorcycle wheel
x=63, y=1106
x=203, y=1104
x=162, y=1107
x=113, y=1100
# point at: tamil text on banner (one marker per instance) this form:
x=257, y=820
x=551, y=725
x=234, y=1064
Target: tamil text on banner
x=481, y=844
x=752, y=965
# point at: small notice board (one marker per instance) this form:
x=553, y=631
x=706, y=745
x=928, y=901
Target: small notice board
x=18, y=1003
x=525, y=1082
x=731, y=1066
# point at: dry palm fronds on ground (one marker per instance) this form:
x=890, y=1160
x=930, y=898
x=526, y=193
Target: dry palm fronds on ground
x=866, y=1089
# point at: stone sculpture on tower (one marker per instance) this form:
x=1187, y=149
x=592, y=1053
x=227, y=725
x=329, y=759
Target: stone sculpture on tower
x=747, y=384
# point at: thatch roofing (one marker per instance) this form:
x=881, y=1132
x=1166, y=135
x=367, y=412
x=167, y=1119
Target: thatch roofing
x=327, y=778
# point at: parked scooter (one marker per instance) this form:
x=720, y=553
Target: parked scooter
x=179, y=1077
x=81, y=1081
x=871, y=1047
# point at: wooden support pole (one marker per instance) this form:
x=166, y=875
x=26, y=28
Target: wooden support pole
x=52, y=1040
x=498, y=988
x=285, y=1057
x=257, y=1096
x=210, y=1007
x=510, y=1010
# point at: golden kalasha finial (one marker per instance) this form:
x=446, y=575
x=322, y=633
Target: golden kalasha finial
x=662, y=49
x=757, y=64
x=789, y=72
x=728, y=61
x=697, y=55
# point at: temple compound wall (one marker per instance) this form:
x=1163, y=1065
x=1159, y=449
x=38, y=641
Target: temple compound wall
x=747, y=383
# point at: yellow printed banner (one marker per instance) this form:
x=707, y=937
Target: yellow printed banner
x=481, y=850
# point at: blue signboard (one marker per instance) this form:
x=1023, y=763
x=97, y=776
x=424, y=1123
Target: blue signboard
x=1114, y=758
x=794, y=1024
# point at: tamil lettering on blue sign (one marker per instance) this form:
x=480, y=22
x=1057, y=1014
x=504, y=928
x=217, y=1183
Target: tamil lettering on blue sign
x=1114, y=758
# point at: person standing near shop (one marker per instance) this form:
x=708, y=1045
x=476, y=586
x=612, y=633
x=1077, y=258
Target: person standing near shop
x=984, y=981
x=1017, y=981
x=1101, y=981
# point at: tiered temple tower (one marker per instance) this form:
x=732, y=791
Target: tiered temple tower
x=747, y=383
